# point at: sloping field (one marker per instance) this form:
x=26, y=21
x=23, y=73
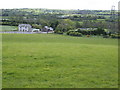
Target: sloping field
x=56, y=61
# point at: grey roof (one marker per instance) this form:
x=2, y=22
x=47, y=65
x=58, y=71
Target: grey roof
x=51, y=28
x=48, y=27
x=23, y=25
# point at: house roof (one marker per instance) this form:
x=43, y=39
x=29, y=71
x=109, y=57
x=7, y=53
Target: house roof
x=51, y=28
x=48, y=27
x=24, y=25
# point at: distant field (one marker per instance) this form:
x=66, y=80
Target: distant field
x=7, y=28
x=57, y=61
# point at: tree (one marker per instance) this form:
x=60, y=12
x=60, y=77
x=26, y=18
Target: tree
x=36, y=26
x=100, y=31
x=65, y=25
x=77, y=25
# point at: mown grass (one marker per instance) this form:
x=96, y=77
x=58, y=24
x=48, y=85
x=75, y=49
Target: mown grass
x=57, y=61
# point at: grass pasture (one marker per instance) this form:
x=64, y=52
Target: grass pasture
x=7, y=28
x=57, y=61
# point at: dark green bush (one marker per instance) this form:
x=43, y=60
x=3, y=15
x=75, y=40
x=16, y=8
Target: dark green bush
x=74, y=33
x=105, y=36
x=98, y=31
x=115, y=35
x=70, y=31
x=58, y=32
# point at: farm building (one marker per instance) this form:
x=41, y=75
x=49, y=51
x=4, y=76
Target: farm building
x=47, y=29
x=28, y=28
x=25, y=27
x=35, y=30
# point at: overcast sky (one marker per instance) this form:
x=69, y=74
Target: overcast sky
x=60, y=4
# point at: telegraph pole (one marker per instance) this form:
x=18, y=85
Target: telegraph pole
x=113, y=13
x=119, y=17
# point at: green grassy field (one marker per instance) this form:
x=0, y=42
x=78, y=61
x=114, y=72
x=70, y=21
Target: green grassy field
x=57, y=61
x=7, y=28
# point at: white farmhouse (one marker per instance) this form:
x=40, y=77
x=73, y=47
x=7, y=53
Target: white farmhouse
x=28, y=28
x=25, y=28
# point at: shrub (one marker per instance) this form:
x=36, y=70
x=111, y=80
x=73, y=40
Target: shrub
x=115, y=35
x=68, y=32
x=58, y=32
x=79, y=34
x=88, y=35
x=74, y=33
x=98, y=31
x=106, y=36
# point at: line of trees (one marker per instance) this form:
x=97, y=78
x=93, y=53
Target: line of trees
x=39, y=18
x=97, y=31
